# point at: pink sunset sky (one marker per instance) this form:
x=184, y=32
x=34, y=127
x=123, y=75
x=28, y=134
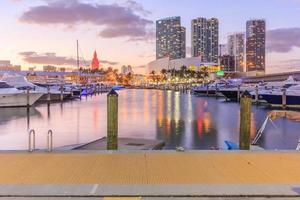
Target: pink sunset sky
x=42, y=32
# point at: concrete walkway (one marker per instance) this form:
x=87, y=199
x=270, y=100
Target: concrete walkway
x=150, y=174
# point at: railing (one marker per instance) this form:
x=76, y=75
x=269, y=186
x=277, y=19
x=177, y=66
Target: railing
x=31, y=143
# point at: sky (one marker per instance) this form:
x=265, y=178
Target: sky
x=42, y=32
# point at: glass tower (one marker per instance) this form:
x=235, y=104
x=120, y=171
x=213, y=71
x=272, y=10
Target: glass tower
x=255, y=45
x=205, y=39
x=170, y=38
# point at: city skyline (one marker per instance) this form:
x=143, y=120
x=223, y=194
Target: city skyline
x=31, y=37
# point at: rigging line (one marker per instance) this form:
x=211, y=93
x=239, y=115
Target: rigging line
x=81, y=52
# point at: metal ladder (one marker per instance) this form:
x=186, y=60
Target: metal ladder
x=31, y=141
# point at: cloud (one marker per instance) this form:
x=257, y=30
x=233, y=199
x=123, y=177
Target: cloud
x=114, y=20
x=283, y=40
x=52, y=59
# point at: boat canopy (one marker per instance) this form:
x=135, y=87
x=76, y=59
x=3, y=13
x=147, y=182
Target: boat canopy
x=291, y=115
x=17, y=81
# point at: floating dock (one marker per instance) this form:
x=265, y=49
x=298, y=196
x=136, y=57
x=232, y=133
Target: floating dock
x=150, y=174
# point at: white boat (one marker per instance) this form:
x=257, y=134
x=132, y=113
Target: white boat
x=21, y=83
x=12, y=97
x=274, y=97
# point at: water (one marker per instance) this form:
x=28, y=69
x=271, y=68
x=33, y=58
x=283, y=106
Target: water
x=178, y=119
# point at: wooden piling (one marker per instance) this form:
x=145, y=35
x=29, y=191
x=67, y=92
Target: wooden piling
x=48, y=94
x=283, y=98
x=238, y=92
x=207, y=90
x=256, y=94
x=80, y=90
x=112, y=120
x=245, y=121
x=27, y=98
x=61, y=93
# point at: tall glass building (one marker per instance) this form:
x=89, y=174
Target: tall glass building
x=236, y=48
x=255, y=45
x=205, y=39
x=170, y=38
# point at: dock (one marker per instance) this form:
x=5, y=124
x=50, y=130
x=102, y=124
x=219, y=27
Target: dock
x=150, y=174
x=124, y=144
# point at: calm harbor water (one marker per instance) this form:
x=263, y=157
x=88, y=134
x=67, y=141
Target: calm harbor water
x=178, y=119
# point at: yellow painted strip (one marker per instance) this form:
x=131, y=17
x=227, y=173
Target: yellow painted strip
x=150, y=168
x=122, y=198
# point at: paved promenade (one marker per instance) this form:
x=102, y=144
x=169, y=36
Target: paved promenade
x=150, y=174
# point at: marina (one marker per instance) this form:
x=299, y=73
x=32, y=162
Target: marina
x=180, y=119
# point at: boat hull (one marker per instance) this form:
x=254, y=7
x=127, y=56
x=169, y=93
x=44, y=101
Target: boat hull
x=53, y=97
x=276, y=100
x=231, y=95
x=18, y=100
x=204, y=92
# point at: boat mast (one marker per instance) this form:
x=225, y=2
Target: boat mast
x=78, y=75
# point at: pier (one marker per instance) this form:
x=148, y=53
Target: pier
x=150, y=174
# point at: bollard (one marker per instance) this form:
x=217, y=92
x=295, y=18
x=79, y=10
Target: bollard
x=256, y=94
x=80, y=90
x=27, y=96
x=283, y=98
x=245, y=121
x=207, y=90
x=86, y=89
x=48, y=94
x=61, y=93
x=72, y=94
x=238, y=93
x=112, y=120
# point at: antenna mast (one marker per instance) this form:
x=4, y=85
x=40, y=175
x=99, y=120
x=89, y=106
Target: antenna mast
x=78, y=75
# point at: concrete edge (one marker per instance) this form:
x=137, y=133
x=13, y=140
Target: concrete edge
x=95, y=190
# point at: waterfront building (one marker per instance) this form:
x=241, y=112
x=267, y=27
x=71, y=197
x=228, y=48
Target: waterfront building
x=227, y=63
x=126, y=69
x=193, y=63
x=205, y=39
x=236, y=49
x=170, y=38
x=255, y=45
x=223, y=49
x=5, y=65
x=49, y=68
x=95, y=62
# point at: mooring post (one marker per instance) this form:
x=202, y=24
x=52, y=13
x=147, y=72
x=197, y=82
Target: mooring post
x=238, y=92
x=80, y=90
x=283, y=98
x=61, y=93
x=207, y=89
x=245, y=121
x=48, y=94
x=86, y=89
x=112, y=120
x=256, y=94
x=28, y=100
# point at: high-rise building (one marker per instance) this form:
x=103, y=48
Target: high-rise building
x=170, y=38
x=227, y=63
x=236, y=48
x=205, y=39
x=255, y=45
x=223, y=49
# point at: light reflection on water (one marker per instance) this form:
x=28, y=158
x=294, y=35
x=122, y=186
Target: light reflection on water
x=178, y=119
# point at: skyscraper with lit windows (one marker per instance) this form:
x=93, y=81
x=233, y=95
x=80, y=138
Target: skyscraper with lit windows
x=236, y=49
x=170, y=38
x=205, y=39
x=255, y=45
